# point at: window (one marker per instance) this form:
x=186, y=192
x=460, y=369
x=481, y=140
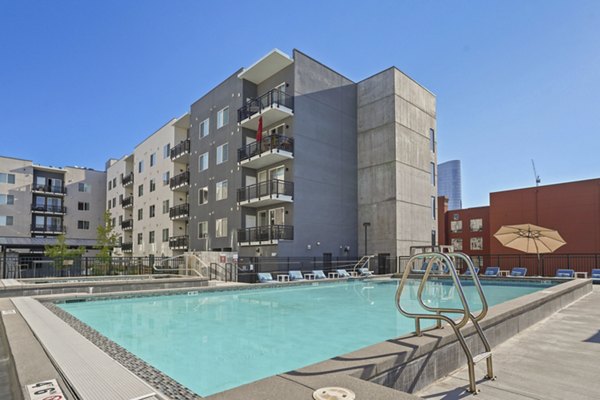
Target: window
x=203, y=162
x=120, y=199
x=432, y=139
x=477, y=243
x=203, y=195
x=152, y=211
x=151, y=237
x=84, y=187
x=433, y=200
x=203, y=129
x=108, y=204
x=140, y=214
x=140, y=238
x=165, y=235
x=221, y=227
x=165, y=206
x=120, y=220
x=6, y=220
x=456, y=226
x=457, y=243
x=223, y=117
x=114, y=202
x=202, y=229
x=476, y=225
x=113, y=223
x=152, y=185
x=83, y=206
x=109, y=185
x=167, y=150
x=141, y=166
x=166, y=176
x=7, y=178
x=83, y=225
x=114, y=182
x=222, y=153
x=221, y=190
x=432, y=169
x=7, y=199
x=152, y=159
x=141, y=190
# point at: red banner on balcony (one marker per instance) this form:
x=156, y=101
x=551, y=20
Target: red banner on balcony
x=259, y=131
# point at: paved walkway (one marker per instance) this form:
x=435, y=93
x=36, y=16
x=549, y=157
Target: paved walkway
x=556, y=359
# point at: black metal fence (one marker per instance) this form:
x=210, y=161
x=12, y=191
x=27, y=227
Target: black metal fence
x=270, y=188
x=273, y=98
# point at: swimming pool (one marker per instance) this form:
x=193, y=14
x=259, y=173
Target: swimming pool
x=214, y=341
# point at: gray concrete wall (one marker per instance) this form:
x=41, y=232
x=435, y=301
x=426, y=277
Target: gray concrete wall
x=96, y=197
x=21, y=191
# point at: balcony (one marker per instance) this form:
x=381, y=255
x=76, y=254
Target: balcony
x=179, y=211
x=273, y=106
x=178, y=242
x=127, y=225
x=127, y=247
x=127, y=179
x=266, y=193
x=48, y=229
x=181, y=151
x=180, y=182
x=263, y=235
x=270, y=150
x=127, y=202
x=48, y=209
x=47, y=189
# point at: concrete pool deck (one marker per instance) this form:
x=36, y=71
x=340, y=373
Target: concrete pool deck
x=557, y=358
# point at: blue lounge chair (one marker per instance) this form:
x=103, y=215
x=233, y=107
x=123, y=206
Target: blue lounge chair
x=365, y=272
x=565, y=273
x=265, y=277
x=492, y=271
x=468, y=271
x=296, y=276
x=596, y=275
x=342, y=273
x=518, y=272
x=319, y=274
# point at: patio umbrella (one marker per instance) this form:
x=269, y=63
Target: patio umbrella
x=530, y=238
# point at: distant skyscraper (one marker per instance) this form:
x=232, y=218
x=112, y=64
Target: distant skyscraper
x=449, y=183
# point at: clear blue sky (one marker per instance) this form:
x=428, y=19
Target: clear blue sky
x=84, y=81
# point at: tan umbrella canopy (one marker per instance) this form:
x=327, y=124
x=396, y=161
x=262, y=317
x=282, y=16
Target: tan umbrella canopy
x=530, y=238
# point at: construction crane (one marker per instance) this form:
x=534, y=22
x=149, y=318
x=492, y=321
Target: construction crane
x=535, y=174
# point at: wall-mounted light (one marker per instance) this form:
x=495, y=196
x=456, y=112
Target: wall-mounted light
x=308, y=247
x=318, y=243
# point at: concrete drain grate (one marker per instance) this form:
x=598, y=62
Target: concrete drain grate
x=333, y=393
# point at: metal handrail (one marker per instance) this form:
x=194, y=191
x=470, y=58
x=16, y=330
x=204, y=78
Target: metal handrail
x=365, y=260
x=475, y=277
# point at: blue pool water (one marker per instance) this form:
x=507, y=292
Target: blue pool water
x=215, y=341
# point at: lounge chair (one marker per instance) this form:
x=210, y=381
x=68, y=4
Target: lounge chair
x=342, y=273
x=492, y=271
x=596, y=275
x=265, y=277
x=518, y=272
x=319, y=274
x=296, y=276
x=565, y=273
x=468, y=271
x=365, y=272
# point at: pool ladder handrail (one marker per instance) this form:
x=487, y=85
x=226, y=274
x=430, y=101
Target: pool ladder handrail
x=364, y=261
x=467, y=315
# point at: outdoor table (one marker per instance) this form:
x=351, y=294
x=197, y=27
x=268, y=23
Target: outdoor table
x=504, y=272
x=283, y=278
x=581, y=275
x=333, y=275
x=310, y=277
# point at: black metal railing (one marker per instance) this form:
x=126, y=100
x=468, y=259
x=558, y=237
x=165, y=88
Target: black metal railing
x=178, y=242
x=49, y=189
x=268, y=143
x=266, y=233
x=127, y=202
x=127, y=224
x=127, y=179
x=273, y=98
x=127, y=247
x=179, y=180
x=180, y=149
x=271, y=188
x=179, y=211
x=48, y=228
x=48, y=208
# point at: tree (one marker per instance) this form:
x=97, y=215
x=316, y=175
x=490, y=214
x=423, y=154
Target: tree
x=60, y=251
x=106, y=239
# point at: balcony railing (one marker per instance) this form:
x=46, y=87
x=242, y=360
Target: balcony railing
x=127, y=247
x=267, y=144
x=49, y=189
x=127, y=202
x=178, y=242
x=180, y=149
x=48, y=208
x=127, y=179
x=273, y=98
x=127, y=224
x=273, y=188
x=48, y=228
x=267, y=234
x=179, y=211
x=182, y=179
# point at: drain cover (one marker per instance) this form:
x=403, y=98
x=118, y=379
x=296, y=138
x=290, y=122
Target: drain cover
x=333, y=393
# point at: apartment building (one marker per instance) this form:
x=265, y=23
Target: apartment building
x=147, y=202
x=38, y=203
